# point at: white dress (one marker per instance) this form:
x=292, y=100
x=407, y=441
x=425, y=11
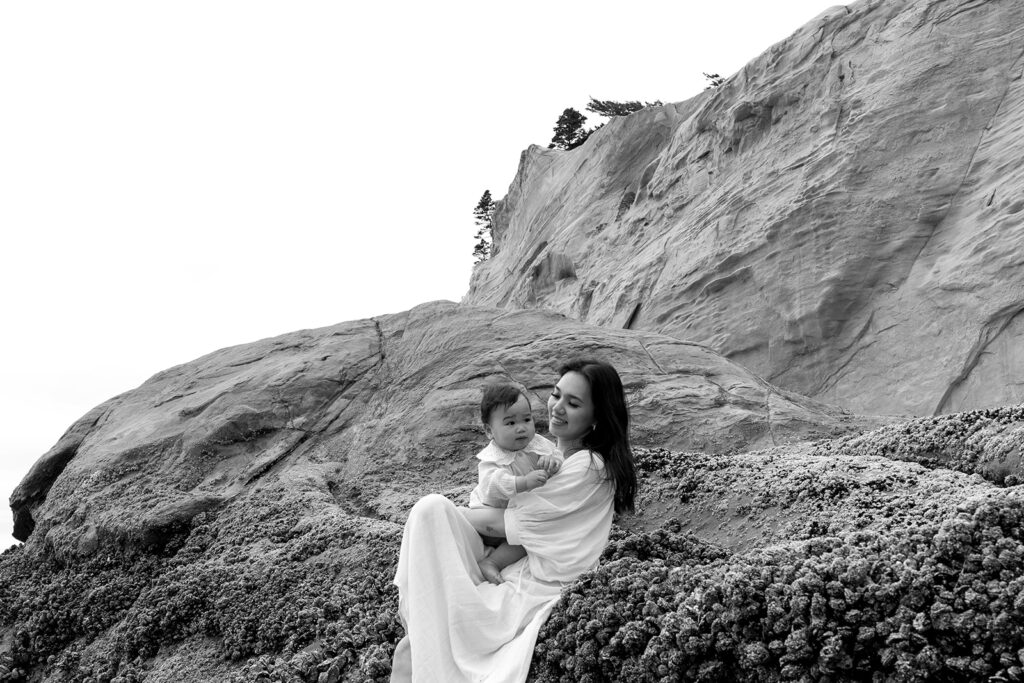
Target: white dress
x=459, y=627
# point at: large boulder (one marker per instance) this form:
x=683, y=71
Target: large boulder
x=844, y=216
x=374, y=413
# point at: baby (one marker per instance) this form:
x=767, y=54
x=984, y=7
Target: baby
x=516, y=460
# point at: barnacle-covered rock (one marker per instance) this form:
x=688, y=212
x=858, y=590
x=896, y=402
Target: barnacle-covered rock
x=768, y=563
x=716, y=611
x=986, y=442
x=107, y=617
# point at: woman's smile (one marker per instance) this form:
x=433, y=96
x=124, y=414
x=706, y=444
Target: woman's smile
x=570, y=408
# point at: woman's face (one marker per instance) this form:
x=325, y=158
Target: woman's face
x=570, y=407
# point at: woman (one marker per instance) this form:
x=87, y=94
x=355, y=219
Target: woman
x=461, y=628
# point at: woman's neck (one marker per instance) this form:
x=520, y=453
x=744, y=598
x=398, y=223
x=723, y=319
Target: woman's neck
x=568, y=447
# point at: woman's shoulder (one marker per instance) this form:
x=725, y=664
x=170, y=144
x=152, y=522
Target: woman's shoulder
x=585, y=459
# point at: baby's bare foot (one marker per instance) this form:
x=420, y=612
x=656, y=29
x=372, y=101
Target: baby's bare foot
x=490, y=571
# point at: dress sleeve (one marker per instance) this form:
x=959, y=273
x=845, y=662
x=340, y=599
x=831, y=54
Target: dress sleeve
x=564, y=524
x=496, y=482
x=541, y=447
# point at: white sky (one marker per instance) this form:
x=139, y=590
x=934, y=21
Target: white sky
x=177, y=177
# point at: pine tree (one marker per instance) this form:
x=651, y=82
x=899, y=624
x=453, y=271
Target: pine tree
x=714, y=80
x=569, y=130
x=483, y=215
x=611, y=108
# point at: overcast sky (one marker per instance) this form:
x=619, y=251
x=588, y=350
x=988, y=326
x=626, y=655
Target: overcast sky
x=177, y=177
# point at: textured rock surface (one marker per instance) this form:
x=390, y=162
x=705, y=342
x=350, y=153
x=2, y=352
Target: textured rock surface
x=834, y=559
x=885, y=574
x=373, y=412
x=844, y=216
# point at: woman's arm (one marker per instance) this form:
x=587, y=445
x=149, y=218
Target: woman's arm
x=565, y=523
x=486, y=521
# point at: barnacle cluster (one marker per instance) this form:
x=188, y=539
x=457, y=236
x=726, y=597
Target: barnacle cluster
x=816, y=562
x=300, y=599
x=51, y=606
x=987, y=442
x=942, y=599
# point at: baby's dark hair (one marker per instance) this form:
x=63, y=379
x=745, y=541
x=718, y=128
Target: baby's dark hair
x=499, y=396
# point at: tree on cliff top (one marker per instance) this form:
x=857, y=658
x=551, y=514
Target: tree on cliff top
x=569, y=130
x=714, y=80
x=611, y=108
x=483, y=214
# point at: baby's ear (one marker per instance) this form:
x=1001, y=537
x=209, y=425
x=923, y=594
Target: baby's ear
x=487, y=431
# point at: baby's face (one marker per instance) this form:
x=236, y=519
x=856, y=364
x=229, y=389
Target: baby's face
x=512, y=427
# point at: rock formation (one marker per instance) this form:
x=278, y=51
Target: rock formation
x=844, y=216
x=866, y=555
x=373, y=412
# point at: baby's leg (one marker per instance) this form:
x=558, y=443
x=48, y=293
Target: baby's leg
x=503, y=556
x=486, y=520
x=489, y=523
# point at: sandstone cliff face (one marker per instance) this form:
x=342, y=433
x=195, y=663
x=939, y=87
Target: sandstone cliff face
x=372, y=414
x=844, y=216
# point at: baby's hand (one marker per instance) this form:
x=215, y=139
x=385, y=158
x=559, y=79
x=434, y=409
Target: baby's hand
x=490, y=571
x=550, y=463
x=536, y=478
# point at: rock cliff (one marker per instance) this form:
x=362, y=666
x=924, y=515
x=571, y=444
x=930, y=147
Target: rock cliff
x=844, y=216
x=371, y=414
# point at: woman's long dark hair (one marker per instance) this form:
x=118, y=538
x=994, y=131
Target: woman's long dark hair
x=610, y=437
